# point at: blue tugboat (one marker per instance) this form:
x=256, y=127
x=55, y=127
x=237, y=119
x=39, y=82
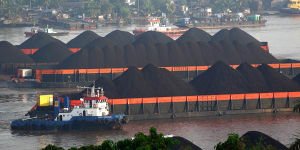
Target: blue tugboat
x=92, y=112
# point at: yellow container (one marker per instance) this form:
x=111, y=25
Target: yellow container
x=46, y=100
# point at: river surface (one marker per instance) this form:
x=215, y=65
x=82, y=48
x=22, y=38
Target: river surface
x=203, y=131
x=282, y=33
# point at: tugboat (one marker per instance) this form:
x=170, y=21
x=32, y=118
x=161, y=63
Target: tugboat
x=47, y=30
x=156, y=25
x=91, y=112
x=293, y=7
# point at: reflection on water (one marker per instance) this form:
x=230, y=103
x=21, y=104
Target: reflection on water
x=203, y=131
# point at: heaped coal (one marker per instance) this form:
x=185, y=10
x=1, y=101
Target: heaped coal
x=196, y=35
x=121, y=38
x=165, y=83
x=37, y=41
x=256, y=80
x=108, y=86
x=253, y=137
x=52, y=52
x=11, y=54
x=297, y=78
x=220, y=79
x=152, y=37
x=82, y=39
x=260, y=55
x=235, y=34
x=132, y=84
x=276, y=81
x=100, y=42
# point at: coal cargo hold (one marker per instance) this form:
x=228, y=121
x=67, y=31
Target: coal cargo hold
x=235, y=34
x=10, y=54
x=276, y=81
x=120, y=37
x=220, y=79
x=196, y=35
x=37, y=41
x=53, y=52
x=82, y=39
x=152, y=37
x=166, y=83
x=132, y=84
x=100, y=42
x=256, y=80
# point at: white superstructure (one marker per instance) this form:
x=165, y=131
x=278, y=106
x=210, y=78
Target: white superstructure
x=93, y=105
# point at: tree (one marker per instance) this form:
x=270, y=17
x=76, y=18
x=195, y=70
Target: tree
x=153, y=141
x=171, y=7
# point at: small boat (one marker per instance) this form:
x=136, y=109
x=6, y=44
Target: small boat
x=47, y=30
x=293, y=8
x=156, y=25
x=54, y=113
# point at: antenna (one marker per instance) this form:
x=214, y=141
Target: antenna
x=92, y=94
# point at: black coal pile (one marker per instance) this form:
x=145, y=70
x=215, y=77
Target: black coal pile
x=83, y=39
x=152, y=37
x=220, y=79
x=184, y=144
x=100, y=42
x=260, y=55
x=165, y=83
x=52, y=52
x=148, y=82
x=251, y=138
x=96, y=57
x=196, y=35
x=132, y=84
x=193, y=49
x=255, y=79
x=297, y=78
x=37, y=41
x=11, y=54
x=235, y=34
x=276, y=81
x=121, y=38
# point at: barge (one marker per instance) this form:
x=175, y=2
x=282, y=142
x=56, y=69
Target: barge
x=47, y=30
x=54, y=113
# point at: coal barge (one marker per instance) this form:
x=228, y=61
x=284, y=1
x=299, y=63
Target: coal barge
x=91, y=112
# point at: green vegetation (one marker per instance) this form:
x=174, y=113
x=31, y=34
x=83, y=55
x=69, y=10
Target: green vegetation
x=297, y=108
x=234, y=142
x=153, y=141
x=119, y=8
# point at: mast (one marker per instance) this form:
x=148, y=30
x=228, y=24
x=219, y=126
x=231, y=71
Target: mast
x=93, y=89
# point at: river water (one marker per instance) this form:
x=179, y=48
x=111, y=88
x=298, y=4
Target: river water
x=203, y=131
x=283, y=35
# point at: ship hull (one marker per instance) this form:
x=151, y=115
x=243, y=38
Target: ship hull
x=292, y=11
x=76, y=123
x=29, y=34
x=170, y=33
x=222, y=25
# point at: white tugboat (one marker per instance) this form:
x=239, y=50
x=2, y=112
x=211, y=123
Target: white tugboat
x=91, y=113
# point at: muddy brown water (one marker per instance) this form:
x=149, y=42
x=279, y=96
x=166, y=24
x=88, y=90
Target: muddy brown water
x=282, y=33
x=204, y=131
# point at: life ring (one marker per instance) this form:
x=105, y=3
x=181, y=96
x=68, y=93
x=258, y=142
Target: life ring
x=94, y=105
x=80, y=114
